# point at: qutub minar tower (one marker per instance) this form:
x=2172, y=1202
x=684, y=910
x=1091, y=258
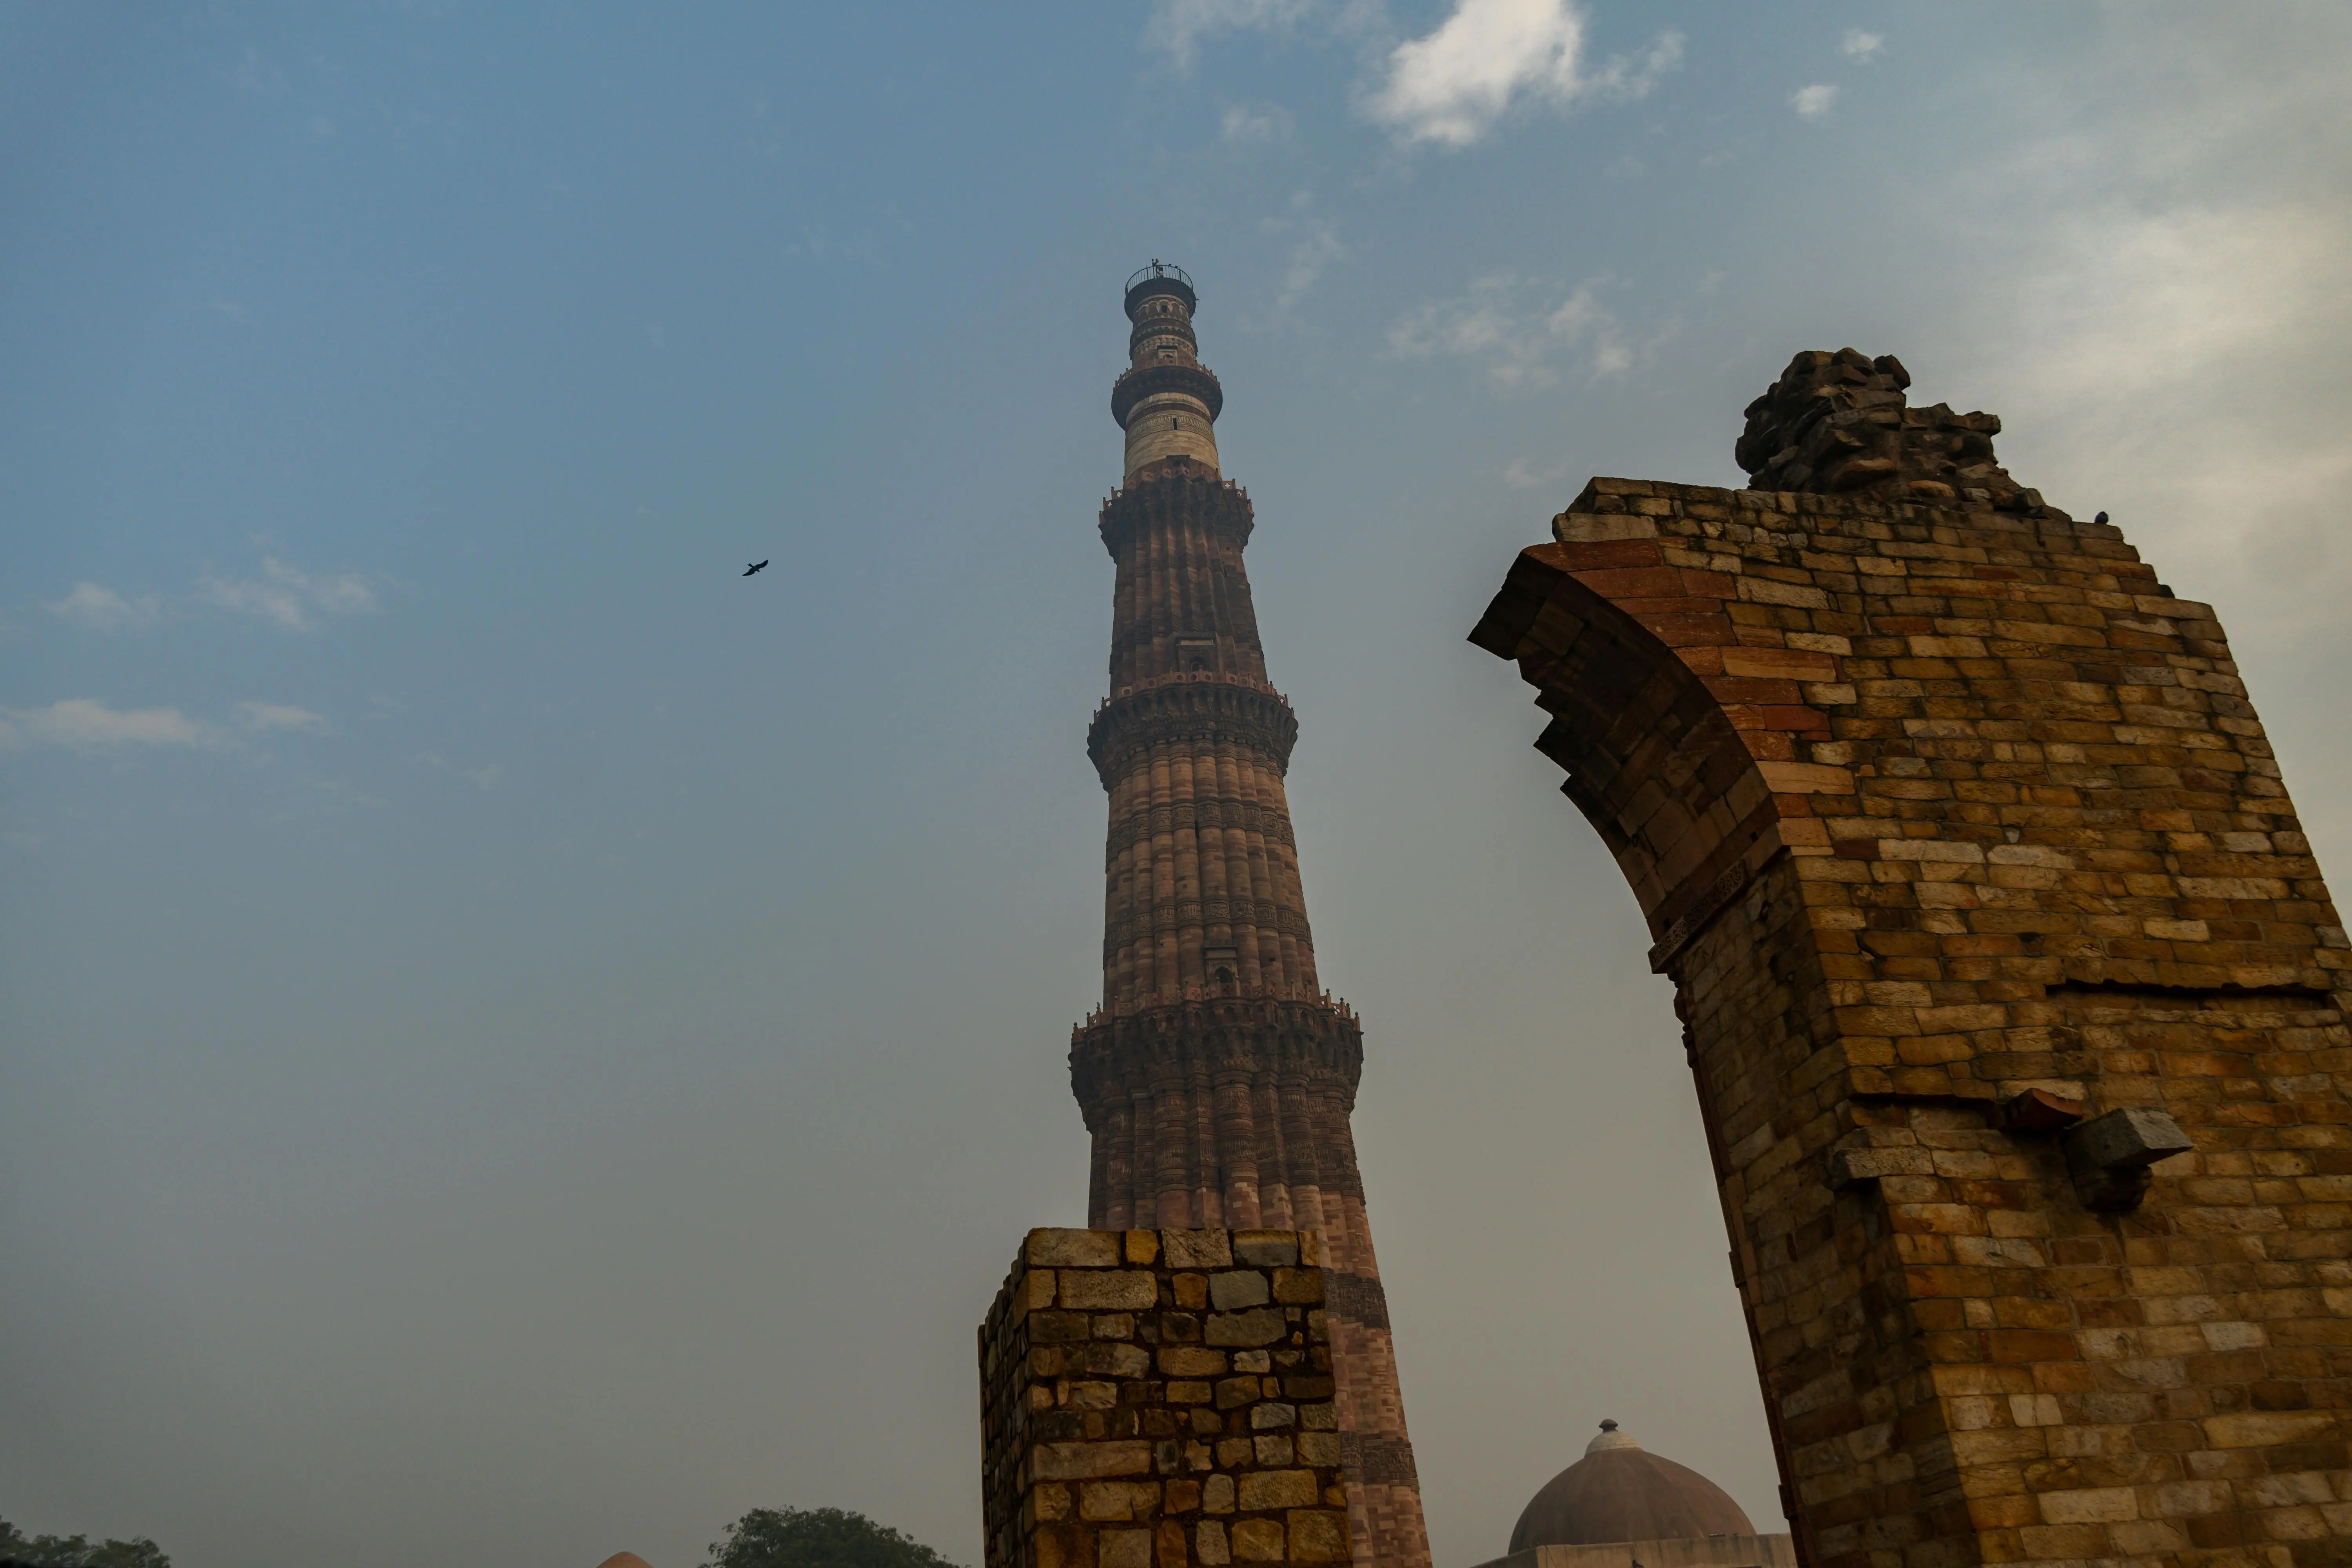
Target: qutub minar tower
x=1218, y=1078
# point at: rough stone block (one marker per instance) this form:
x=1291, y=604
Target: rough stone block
x=1199, y=1249
x=1238, y=1289
x=1114, y=1435
x=1258, y=1540
x=1123, y=1549
x=1125, y=1288
x=1074, y=1248
x=1263, y=1326
x=1266, y=1248
x=1318, y=1535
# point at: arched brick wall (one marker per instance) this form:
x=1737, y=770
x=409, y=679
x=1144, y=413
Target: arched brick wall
x=2012, y=993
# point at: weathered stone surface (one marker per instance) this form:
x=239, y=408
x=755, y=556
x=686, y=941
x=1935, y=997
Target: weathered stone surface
x=1266, y=1248
x=1279, y=1489
x=1318, y=1536
x=1191, y=1361
x=1127, y=1287
x=1104, y=1429
x=1198, y=1248
x=1237, y=1289
x=1837, y=422
x=2128, y=1136
x=1262, y=1327
x=1953, y=826
x=1075, y=1461
x=1079, y=1248
x=1259, y=1540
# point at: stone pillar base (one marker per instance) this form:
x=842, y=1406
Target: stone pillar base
x=1164, y=1398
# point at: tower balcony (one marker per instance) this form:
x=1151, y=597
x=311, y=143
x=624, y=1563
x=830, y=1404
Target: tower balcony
x=1174, y=378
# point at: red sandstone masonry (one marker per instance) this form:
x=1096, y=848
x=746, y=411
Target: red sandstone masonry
x=1217, y=1078
x=1929, y=805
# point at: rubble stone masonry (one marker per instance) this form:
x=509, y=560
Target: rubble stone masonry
x=2012, y=990
x=1161, y=1399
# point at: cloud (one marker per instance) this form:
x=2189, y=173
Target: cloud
x=260, y=718
x=1812, y=102
x=1177, y=27
x=1523, y=475
x=1858, y=44
x=100, y=608
x=1517, y=343
x=80, y=724
x=287, y=596
x=486, y=777
x=1243, y=126
x=1315, y=246
x=1451, y=85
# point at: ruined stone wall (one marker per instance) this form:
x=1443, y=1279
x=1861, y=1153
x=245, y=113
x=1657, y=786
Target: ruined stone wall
x=1155, y=1399
x=2012, y=993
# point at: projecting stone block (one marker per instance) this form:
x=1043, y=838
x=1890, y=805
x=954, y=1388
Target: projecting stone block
x=2108, y=1155
x=1847, y=1166
x=2133, y=1136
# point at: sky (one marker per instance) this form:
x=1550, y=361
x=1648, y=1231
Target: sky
x=517, y=1043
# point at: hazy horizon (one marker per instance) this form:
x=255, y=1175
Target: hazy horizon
x=520, y=1043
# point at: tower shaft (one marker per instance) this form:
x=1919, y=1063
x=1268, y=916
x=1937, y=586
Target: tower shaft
x=1218, y=1078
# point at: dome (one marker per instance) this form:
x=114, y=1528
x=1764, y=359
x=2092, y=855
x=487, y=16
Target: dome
x=1620, y=1491
x=623, y=1560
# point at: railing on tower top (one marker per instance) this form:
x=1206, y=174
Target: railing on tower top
x=1231, y=991
x=1159, y=268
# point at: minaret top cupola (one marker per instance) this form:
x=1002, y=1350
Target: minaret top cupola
x=1166, y=401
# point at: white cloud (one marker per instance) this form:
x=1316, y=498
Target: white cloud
x=1318, y=245
x=1178, y=25
x=80, y=724
x=287, y=596
x=260, y=718
x=1241, y=126
x=1812, y=102
x=486, y=777
x=1522, y=475
x=100, y=608
x=1451, y=85
x=1315, y=244
x=1858, y=44
x=1518, y=344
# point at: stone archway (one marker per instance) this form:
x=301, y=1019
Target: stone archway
x=2012, y=994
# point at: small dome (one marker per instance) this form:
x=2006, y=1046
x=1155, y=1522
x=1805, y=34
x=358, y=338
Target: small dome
x=1621, y=1491
x=623, y=1560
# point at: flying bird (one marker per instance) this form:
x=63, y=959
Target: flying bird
x=756, y=566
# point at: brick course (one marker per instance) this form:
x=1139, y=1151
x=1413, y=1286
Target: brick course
x=1960, y=840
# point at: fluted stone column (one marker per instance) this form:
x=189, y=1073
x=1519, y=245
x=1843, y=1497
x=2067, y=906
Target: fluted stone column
x=1218, y=1078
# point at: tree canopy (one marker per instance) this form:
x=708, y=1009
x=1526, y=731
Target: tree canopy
x=76, y=1550
x=815, y=1537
